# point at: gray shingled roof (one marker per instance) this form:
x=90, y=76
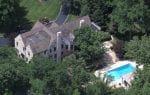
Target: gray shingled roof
x=40, y=36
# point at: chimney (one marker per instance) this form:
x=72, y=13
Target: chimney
x=58, y=47
x=95, y=26
x=81, y=22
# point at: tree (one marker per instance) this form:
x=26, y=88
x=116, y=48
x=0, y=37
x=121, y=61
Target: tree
x=37, y=87
x=129, y=17
x=76, y=92
x=7, y=54
x=119, y=91
x=14, y=77
x=14, y=73
x=89, y=44
x=76, y=69
x=98, y=10
x=147, y=2
x=67, y=77
x=98, y=88
x=11, y=14
x=41, y=66
x=138, y=49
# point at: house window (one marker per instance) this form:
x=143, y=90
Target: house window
x=54, y=48
x=24, y=48
x=66, y=46
x=22, y=55
x=71, y=47
x=55, y=55
x=50, y=50
x=62, y=46
x=45, y=52
x=62, y=53
x=29, y=53
x=17, y=43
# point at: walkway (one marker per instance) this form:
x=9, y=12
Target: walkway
x=4, y=41
x=62, y=15
x=110, y=55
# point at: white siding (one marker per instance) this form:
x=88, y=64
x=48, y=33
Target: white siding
x=29, y=54
x=19, y=45
x=26, y=51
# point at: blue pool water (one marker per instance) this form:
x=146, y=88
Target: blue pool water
x=117, y=73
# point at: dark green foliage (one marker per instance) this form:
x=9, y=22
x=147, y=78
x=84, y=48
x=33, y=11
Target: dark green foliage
x=11, y=15
x=119, y=91
x=98, y=10
x=89, y=44
x=147, y=2
x=139, y=50
x=68, y=76
x=14, y=74
x=76, y=92
x=129, y=17
x=41, y=66
x=44, y=76
x=37, y=87
x=76, y=71
x=98, y=88
x=17, y=77
x=58, y=82
x=7, y=54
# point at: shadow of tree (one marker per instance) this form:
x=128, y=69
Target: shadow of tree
x=22, y=21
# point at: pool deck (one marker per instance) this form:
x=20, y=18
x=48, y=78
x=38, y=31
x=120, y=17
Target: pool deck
x=127, y=77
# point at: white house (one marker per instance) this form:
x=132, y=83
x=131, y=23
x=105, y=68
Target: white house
x=48, y=39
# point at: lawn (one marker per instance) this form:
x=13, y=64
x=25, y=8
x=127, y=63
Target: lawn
x=37, y=9
x=1, y=34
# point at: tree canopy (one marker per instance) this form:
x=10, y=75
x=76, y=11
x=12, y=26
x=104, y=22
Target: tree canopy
x=129, y=17
x=98, y=88
x=98, y=10
x=138, y=49
x=89, y=44
x=11, y=15
x=68, y=77
x=14, y=73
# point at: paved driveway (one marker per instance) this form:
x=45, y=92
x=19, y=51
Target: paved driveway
x=62, y=15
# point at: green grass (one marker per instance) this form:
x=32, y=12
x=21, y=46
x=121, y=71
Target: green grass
x=1, y=34
x=37, y=9
x=71, y=18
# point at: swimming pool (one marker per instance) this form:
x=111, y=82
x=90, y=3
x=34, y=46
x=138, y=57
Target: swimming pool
x=118, y=73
